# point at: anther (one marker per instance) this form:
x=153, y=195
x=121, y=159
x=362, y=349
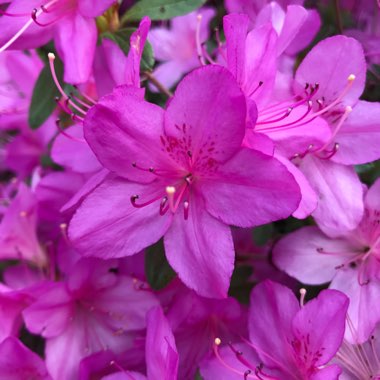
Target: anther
x=170, y=191
x=351, y=78
x=186, y=210
x=302, y=296
x=217, y=341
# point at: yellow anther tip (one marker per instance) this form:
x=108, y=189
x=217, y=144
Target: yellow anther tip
x=351, y=77
x=170, y=189
x=217, y=341
x=51, y=56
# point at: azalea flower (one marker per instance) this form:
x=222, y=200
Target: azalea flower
x=350, y=262
x=177, y=47
x=71, y=23
x=183, y=174
x=291, y=340
x=93, y=309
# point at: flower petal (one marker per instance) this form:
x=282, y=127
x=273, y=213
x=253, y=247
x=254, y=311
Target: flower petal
x=201, y=251
x=212, y=107
x=321, y=324
x=310, y=256
x=251, y=189
x=273, y=307
x=329, y=64
x=75, y=40
x=122, y=129
x=106, y=225
x=359, y=137
x=340, y=205
x=161, y=352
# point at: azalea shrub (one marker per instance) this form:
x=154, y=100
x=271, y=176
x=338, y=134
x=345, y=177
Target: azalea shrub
x=189, y=190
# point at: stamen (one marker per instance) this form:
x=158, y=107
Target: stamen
x=256, y=88
x=217, y=343
x=347, y=111
x=163, y=203
x=186, y=210
x=67, y=99
x=206, y=54
x=170, y=191
x=198, y=40
x=135, y=197
x=302, y=296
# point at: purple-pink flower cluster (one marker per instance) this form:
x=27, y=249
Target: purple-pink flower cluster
x=189, y=190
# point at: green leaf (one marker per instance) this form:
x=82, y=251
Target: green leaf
x=44, y=93
x=122, y=37
x=157, y=270
x=161, y=9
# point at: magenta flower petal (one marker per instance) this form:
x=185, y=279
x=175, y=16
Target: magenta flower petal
x=332, y=372
x=273, y=308
x=340, y=193
x=259, y=189
x=372, y=197
x=322, y=323
x=300, y=254
x=137, y=42
x=161, y=351
x=359, y=137
x=75, y=38
x=200, y=92
x=18, y=362
x=126, y=230
x=329, y=64
x=309, y=200
x=124, y=122
x=235, y=27
x=89, y=8
x=201, y=250
x=74, y=154
x=363, y=297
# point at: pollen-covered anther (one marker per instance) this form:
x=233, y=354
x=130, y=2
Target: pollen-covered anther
x=170, y=191
x=218, y=341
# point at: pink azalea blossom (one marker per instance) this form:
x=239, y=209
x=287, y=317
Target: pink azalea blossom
x=317, y=132
x=177, y=48
x=291, y=341
x=182, y=174
x=196, y=322
x=351, y=263
x=92, y=310
x=30, y=24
